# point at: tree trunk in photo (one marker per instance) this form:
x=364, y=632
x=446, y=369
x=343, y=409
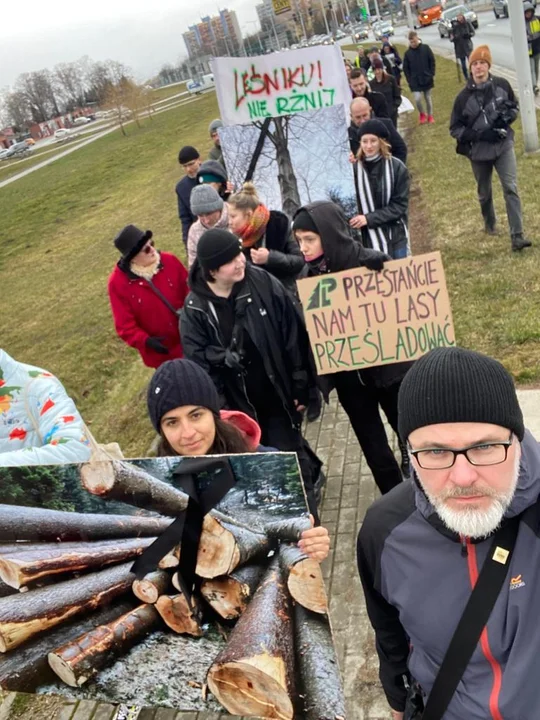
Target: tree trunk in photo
x=287, y=530
x=319, y=670
x=21, y=568
x=24, y=670
x=151, y=586
x=230, y=595
x=224, y=546
x=254, y=674
x=28, y=614
x=288, y=185
x=6, y=590
x=177, y=614
x=35, y=524
x=304, y=578
x=78, y=661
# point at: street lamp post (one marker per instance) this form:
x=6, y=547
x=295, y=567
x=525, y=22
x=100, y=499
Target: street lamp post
x=323, y=9
x=408, y=11
x=526, y=95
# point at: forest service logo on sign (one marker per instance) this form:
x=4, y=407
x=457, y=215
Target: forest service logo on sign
x=360, y=318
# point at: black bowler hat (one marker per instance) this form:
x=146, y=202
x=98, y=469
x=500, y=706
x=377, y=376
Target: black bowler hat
x=131, y=241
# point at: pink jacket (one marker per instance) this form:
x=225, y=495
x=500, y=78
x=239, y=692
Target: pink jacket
x=197, y=230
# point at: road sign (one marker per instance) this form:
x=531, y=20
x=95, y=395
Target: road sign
x=281, y=6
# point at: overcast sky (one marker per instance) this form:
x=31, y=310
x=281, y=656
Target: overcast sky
x=141, y=34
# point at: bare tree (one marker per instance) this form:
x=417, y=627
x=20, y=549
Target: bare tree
x=37, y=88
x=70, y=83
x=16, y=110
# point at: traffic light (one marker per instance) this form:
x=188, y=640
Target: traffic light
x=329, y=5
x=294, y=17
x=310, y=12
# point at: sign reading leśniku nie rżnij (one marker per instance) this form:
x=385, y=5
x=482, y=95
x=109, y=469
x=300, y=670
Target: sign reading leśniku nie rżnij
x=250, y=89
x=360, y=318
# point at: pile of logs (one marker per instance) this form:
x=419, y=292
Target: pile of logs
x=70, y=606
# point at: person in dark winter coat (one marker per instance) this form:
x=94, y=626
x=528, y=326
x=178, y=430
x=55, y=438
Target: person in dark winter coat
x=392, y=55
x=382, y=182
x=532, y=25
x=461, y=35
x=266, y=236
x=362, y=61
x=325, y=238
x=361, y=112
x=360, y=88
x=241, y=325
x=212, y=172
x=147, y=288
x=183, y=406
x=422, y=547
x=481, y=123
x=386, y=84
x=190, y=160
x=419, y=69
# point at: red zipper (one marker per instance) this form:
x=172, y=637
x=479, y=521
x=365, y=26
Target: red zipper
x=484, y=640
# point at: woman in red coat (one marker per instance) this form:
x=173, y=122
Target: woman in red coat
x=147, y=288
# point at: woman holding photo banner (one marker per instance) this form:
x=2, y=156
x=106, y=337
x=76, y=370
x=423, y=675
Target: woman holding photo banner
x=326, y=242
x=382, y=188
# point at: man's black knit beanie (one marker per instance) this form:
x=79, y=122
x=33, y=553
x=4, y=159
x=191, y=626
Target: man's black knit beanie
x=450, y=385
x=177, y=383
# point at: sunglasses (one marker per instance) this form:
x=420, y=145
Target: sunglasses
x=147, y=249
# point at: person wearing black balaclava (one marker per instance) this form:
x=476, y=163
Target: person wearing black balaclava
x=243, y=328
x=326, y=242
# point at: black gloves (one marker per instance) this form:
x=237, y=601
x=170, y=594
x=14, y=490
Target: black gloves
x=490, y=135
x=155, y=344
x=469, y=135
x=374, y=260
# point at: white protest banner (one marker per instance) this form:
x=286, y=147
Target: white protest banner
x=284, y=83
x=360, y=318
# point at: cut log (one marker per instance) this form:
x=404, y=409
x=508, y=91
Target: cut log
x=27, y=614
x=254, y=674
x=176, y=613
x=35, y=524
x=170, y=560
x=24, y=567
x=230, y=595
x=81, y=659
x=319, y=670
x=24, y=670
x=223, y=547
x=303, y=577
x=151, y=586
x=287, y=530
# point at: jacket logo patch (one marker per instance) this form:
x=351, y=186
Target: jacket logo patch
x=516, y=582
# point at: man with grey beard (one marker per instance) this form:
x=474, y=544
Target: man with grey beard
x=422, y=546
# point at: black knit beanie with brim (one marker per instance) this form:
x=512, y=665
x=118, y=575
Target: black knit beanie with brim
x=304, y=221
x=452, y=385
x=177, y=383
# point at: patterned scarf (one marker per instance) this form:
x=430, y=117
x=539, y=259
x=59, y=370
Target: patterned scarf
x=253, y=230
x=146, y=272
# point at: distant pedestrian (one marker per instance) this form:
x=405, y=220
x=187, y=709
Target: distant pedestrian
x=216, y=153
x=361, y=61
x=461, y=35
x=374, y=54
x=392, y=54
x=481, y=118
x=147, y=288
x=361, y=112
x=386, y=84
x=190, y=160
x=383, y=194
x=360, y=88
x=533, y=40
x=419, y=69
x=212, y=172
x=211, y=212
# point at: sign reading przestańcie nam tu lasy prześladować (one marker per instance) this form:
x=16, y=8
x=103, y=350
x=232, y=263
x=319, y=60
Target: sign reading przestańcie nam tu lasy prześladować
x=360, y=318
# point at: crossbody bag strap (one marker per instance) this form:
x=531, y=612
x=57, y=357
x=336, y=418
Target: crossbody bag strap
x=162, y=297
x=473, y=620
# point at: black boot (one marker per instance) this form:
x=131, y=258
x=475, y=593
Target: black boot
x=405, y=460
x=491, y=229
x=519, y=242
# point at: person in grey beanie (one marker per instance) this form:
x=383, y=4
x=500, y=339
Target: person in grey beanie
x=210, y=210
x=422, y=546
x=216, y=153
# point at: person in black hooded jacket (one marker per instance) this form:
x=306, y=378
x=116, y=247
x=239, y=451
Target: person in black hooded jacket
x=325, y=239
x=244, y=329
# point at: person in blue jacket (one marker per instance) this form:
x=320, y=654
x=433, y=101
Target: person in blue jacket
x=39, y=423
x=184, y=408
x=190, y=160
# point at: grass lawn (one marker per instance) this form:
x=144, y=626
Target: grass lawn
x=167, y=91
x=56, y=239
x=495, y=293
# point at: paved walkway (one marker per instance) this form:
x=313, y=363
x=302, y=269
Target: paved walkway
x=349, y=492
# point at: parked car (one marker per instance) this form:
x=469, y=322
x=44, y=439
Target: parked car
x=82, y=120
x=360, y=32
x=384, y=27
x=500, y=8
x=445, y=23
x=63, y=134
x=16, y=150
x=326, y=40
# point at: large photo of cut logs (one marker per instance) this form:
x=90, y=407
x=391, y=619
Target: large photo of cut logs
x=254, y=638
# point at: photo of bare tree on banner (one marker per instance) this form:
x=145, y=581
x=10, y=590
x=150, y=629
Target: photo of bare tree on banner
x=147, y=581
x=293, y=159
